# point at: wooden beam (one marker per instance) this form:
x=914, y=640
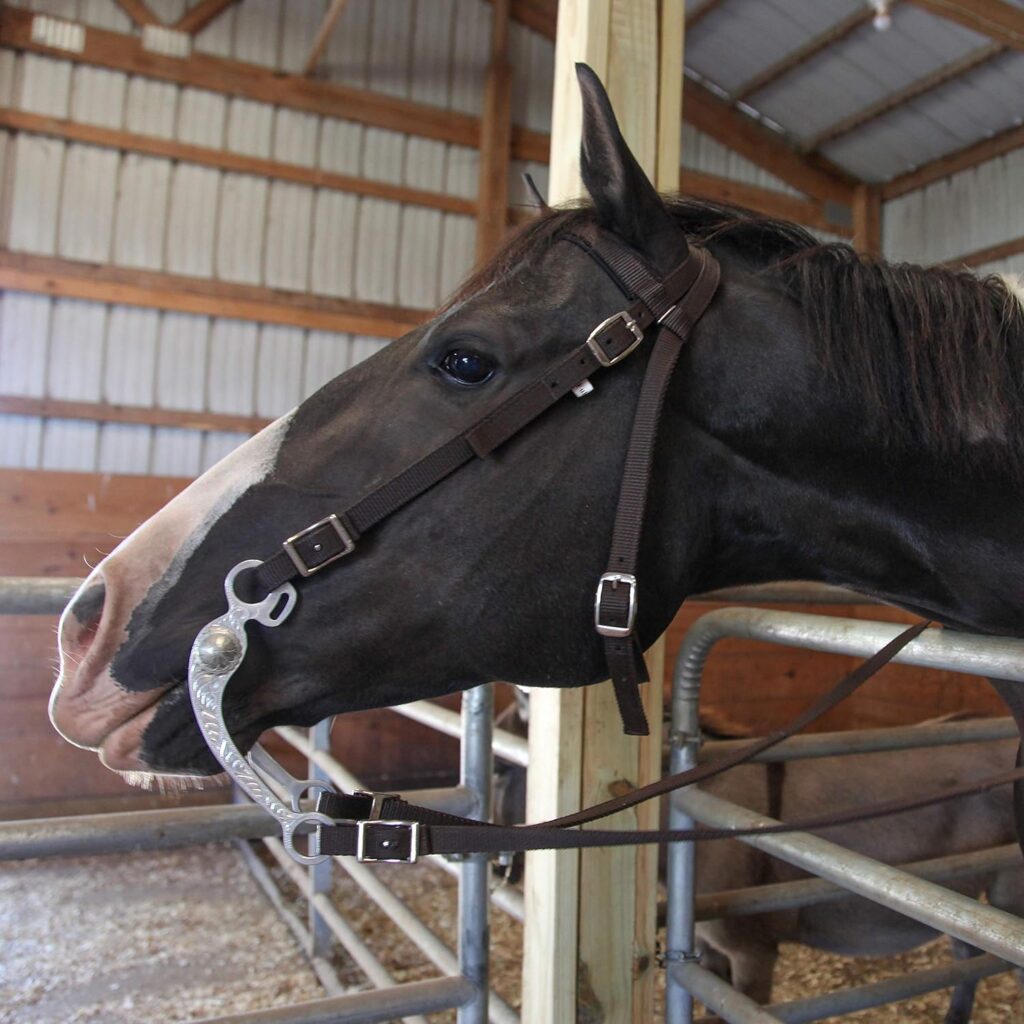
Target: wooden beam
x=767, y=149
x=495, y=140
x=323, y=34
x=152, y=145
x=539, y=16
x=812, y=213
x=578, y=753
x=996, y=19
x=120, y=52
x=991, y=253
x=830, y=37
x=694, y=19
x=933, y=80
x=198, y=17
x=960, y=160
x=139, y=13
x=867, y=220
x=104, y=412
x=75, y=279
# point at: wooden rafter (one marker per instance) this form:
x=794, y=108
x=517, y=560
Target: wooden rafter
x=867, y=220
x=540, y=16
x=961, y=160
x=991, y=253
x=933, y=80
x=225, y=160
x=830, y=37
x=75, y=279
x=104, y=412
x=731, y=127
x=694, y=19
x=196, y=19
x=996, y=19
x=813, y=213
x=121, y=52
x=495, y=139
x=323, y=35
x=139, y=13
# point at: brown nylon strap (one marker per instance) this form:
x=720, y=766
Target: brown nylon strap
x=392, y=839
x=325, y=542
x=623, y=653
x=551, y=834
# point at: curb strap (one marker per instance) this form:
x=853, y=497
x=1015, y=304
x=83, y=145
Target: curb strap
x=668, y=308
x=404, y=832
x=385, y=827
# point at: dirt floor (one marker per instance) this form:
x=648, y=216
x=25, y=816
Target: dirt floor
x=185, y=935
x=128, y=938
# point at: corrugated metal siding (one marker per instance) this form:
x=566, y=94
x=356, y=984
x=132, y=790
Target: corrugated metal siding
x=972, y=210
x=82, y=202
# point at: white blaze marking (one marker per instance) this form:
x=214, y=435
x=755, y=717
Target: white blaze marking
x=87, y=703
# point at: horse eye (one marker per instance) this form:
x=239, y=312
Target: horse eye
x=466, y=366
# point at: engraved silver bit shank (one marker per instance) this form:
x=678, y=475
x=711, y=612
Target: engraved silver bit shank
x=218, y=650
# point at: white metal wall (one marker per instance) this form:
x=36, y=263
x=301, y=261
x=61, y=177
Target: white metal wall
x=972, y=210
x=83, y=202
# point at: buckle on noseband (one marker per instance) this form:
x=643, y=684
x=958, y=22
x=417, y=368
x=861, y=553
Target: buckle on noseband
x=595, y=346
x=615, y=578
x=329, y=531
x=366, y=830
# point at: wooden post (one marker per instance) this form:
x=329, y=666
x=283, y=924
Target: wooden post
x=867, y=220
x=495, y=140
x=593, y=958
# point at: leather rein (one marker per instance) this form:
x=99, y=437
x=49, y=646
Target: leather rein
x=383, y=827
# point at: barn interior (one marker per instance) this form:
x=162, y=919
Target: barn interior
x=209, y=209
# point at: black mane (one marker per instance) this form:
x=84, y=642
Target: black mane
x=936, y=353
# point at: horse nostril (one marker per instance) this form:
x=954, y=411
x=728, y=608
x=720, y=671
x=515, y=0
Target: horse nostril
x=87, y=607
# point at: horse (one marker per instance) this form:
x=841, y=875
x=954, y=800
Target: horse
x=744, y=950
x=832, y=417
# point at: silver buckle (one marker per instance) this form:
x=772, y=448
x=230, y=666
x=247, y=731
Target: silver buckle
x=414, y=837
x=599, y=353
x=297, y=560
x=615, y=578
x=376, y=801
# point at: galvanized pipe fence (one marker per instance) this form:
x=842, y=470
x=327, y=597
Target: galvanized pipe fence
x=910, y=889
x=909, y=892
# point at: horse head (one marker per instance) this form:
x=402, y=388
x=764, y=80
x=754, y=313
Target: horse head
x=777, y=458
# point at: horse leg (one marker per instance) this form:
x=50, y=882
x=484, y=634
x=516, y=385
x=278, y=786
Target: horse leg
x=1006, y=892
x=1013, y=696
x=961, y=1002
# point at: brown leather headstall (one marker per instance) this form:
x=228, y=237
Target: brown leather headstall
x=659, y=311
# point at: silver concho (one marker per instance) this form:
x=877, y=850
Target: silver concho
x=218, y=650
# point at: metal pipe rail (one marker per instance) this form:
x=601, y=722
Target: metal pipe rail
x=870, y=741
x=892, y=990
x=129, y=831
x=988, y=928
x=506, y=745
x=807, y=892
x=992, y=930
x=375, y=1007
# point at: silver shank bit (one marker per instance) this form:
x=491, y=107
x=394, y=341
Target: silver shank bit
x=218, y=650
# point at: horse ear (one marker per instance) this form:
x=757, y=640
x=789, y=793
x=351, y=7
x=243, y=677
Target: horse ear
x=624, y=198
